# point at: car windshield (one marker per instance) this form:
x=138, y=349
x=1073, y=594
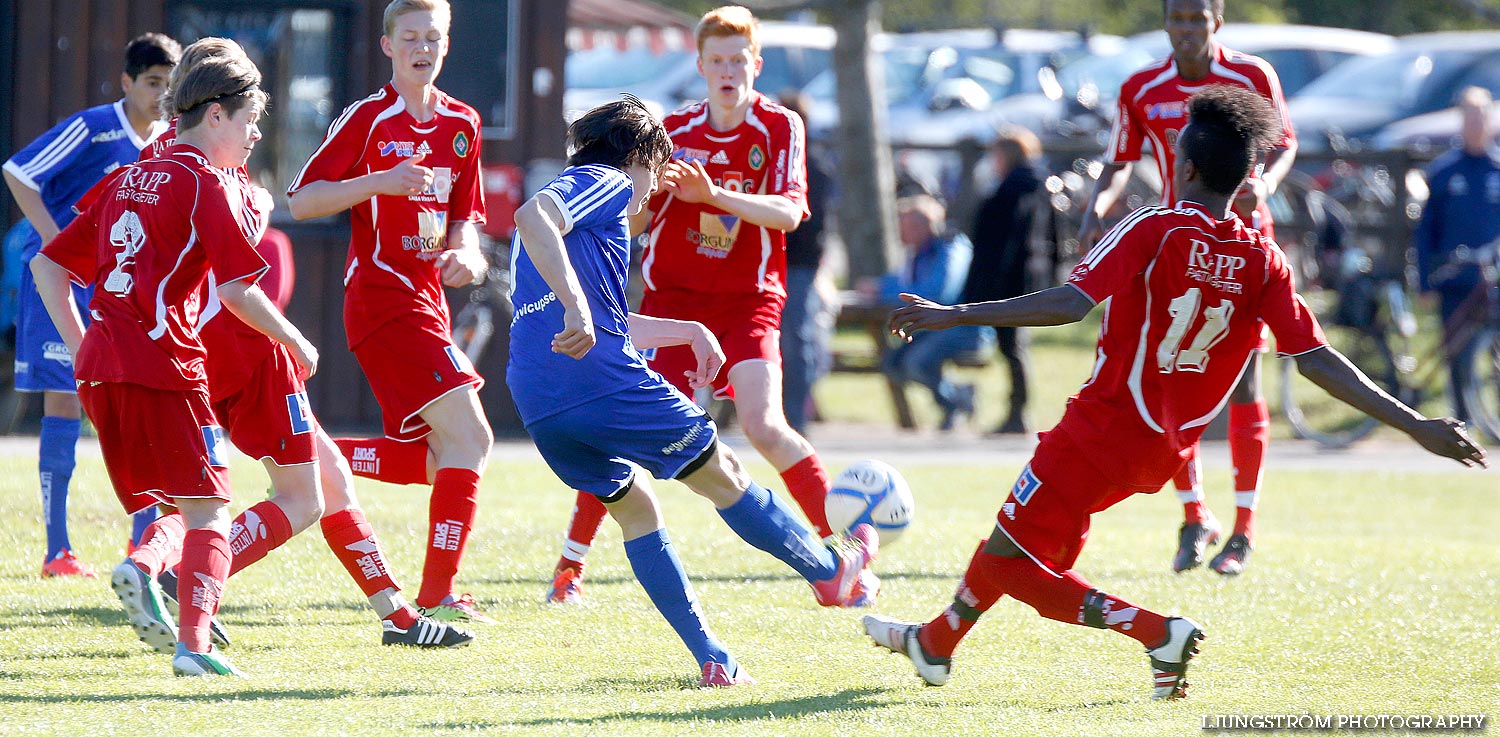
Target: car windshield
x=1396, y=79
x=1104, y=72
x=607, y=67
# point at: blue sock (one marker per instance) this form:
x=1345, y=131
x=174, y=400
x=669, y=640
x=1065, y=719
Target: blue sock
x=139, y=522
x=764, y=520
x=660, y=572
x=55, y=463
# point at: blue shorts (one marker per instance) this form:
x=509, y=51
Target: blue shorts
x=597, y=446
x=43, y=363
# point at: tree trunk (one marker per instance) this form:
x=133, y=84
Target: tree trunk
x=867, y=179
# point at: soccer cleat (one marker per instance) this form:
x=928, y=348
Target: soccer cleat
x=1169, y=661
x=66, y=564
x=211, y=663
x=718, y=675
x=456, y=609
x=901, y=637
x=143, y=604
x=425, y=632
x=567, y=587
x=855, y=554
x=1193, y=539
x=866, y=590
x=168, y=581
x=1231, y=560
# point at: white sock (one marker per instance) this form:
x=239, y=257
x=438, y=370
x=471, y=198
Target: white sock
x=387, y=602
x=574, y=550
x=1189, y=496
x=1247, y=499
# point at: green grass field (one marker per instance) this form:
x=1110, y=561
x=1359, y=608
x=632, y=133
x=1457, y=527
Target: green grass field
x=1372, y=593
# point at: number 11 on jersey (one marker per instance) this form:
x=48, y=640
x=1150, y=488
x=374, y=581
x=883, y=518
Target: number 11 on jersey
x=1184, y=311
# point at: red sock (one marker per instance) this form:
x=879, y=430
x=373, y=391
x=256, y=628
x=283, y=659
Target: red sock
x=161, y=545
x=353, y=542
x=1190, y=489
x=808, y=483
x=977, y=592
x=200, y=585
x=588, y=515
x=1069, y=598
x=1249, y=428
x=383, y=459
x=256, y=532
x=455, y=497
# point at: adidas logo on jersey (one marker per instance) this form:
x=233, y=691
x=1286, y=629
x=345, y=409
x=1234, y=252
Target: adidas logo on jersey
x=423, y=148
x=719, y=158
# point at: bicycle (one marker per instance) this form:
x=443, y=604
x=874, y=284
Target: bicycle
x=487, y=304
x=1481, y=383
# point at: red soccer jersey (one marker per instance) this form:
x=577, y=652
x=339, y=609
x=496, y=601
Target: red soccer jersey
x=1153, y=105
x=148, y=242
x=384, y=278
x=1186, y=294
x=702, y=248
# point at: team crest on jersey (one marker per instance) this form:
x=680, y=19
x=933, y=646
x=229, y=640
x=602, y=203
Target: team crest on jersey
x=691, y=155
x=757, y=157
x=461, y=144
x=218, y=450
x=1026, y=486
x=404, y=149
x=300, y=413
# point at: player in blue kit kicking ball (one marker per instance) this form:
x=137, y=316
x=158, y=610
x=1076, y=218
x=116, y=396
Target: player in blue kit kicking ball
x=599, y=416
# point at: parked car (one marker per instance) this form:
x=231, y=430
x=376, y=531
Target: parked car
x=1300, y=54
x=943, y=86
x=1363, y=101
x=793, y=54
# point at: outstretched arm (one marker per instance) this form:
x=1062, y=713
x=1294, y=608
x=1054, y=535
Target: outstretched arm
x=1329, y=369
x=1061, y=305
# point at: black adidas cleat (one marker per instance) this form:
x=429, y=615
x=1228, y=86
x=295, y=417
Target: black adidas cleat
x=1232, y=559
x=425, y=632
x=1192, y=541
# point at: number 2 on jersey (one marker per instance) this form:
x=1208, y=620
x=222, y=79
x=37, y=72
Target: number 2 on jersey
x=1170, y=356
x=128, y=235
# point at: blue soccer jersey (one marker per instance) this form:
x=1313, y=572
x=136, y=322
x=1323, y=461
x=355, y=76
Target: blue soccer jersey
x=68, y=159
x=592, y=199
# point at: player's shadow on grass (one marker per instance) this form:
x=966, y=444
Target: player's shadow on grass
x=259, y=694
x=841, y=701
x=724, y=578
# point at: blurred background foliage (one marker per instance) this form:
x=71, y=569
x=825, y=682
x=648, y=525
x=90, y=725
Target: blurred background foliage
x=1124, y=17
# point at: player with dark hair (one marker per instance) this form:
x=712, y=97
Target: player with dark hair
x=405, y=163
x=150, y=243
x=599, y=416
x=1189, y=287
x=1152, y=106
x=716, y=254
x=46, y=178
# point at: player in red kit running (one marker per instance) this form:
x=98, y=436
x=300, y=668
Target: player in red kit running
x=405, y=162
x=262, y=405
x=149, y=243
x=1153, y=106
x=1189, y=287
x=716, y=254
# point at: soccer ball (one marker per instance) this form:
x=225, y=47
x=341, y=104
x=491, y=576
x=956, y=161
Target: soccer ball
x=873, y=493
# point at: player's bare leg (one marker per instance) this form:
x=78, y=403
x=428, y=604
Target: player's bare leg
x=353, y=542
x=461, y=441
x=1249, y=429
x=757, y=389
x=839, y=575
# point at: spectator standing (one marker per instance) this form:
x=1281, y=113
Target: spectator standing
x=1462, y=211
x=1002, y=239
x=805, y=329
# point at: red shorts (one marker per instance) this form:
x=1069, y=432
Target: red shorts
x=410, y=363
x=748, y=327
x=158, y=444
x=269, y=416
x=1047, y=512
